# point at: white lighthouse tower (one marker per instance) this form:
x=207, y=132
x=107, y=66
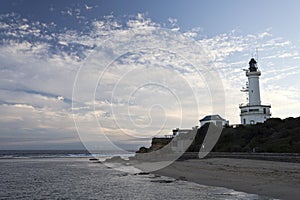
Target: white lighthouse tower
x=253, y=112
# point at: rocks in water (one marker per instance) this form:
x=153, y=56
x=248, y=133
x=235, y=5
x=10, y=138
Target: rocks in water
x=162, y=181
x=182, y=178
x=95, y=160
x=142, y=150
x=154, y=176
x=142, y=173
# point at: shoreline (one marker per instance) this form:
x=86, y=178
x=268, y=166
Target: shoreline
x=279, y=180
x=267, y=178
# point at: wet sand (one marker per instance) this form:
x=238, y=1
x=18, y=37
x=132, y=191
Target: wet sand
x=269, y=178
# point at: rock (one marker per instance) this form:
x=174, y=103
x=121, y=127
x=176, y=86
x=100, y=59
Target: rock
x=115, y=159
x=182, y=178
x=142, y=150
x=142, y=173
x=162, y=181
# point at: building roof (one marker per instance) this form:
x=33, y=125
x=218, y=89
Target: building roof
x=212, y=117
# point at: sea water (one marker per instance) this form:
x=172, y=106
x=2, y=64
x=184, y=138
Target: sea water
x=54, y=176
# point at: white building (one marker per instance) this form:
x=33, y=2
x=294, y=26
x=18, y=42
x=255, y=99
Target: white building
x=253, y=112
x=216, y=119
x=178, y=131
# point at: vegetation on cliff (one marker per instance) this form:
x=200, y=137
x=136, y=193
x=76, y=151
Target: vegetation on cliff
x=273, y=136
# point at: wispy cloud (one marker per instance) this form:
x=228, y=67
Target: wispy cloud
x=150, y=89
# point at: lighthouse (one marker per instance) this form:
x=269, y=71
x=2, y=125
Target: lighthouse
x=253, y=111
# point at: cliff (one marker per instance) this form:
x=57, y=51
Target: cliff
x=273, y=136
x=156, y=144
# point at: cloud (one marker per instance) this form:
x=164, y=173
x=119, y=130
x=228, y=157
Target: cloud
x=60, y=98
x=152, y=79
x=88, y=7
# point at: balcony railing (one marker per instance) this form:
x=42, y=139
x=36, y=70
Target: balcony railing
x=256, y=112
x=248, y=105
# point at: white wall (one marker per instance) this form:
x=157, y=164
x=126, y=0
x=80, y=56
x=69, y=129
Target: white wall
x=254, y=92
x=256, y=117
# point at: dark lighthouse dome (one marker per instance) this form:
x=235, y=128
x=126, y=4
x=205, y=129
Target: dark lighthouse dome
x=253, y=65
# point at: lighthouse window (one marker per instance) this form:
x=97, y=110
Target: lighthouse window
x=253, y=110
x=244, y=121
x=265, y=111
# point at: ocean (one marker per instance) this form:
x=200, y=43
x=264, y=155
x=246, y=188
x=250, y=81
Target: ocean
x=71, y=175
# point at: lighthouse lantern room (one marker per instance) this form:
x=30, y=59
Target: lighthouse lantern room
x=253, y=112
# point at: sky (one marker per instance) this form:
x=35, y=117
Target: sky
x=113, y=74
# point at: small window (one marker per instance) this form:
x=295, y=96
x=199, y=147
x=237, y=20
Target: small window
x=265, y=111
x=244, y=121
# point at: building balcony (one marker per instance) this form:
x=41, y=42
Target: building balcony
x=255, y=113
x=253, y=73
x=243, y=105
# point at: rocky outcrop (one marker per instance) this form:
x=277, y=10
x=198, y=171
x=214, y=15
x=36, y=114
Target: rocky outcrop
x=156, y=144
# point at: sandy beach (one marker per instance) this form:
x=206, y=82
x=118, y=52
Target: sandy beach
x=268, y=178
